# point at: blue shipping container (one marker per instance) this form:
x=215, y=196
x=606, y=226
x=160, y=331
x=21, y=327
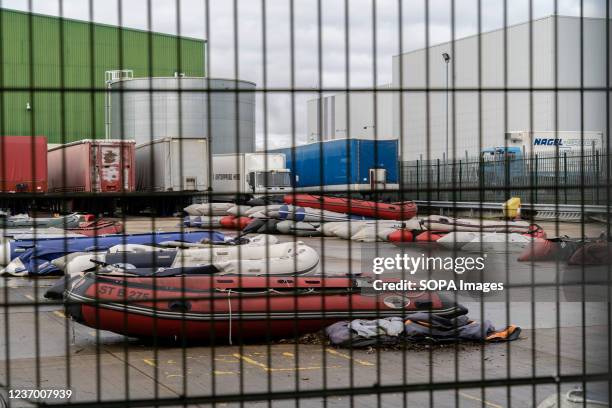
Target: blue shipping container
x=342, y=164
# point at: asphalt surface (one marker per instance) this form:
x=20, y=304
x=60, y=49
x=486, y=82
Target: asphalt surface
x=41, y=349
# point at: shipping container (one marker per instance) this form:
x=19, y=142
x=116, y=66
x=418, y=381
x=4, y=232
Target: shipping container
x=344, y=165
x=172, y=164
x=93, y=166
x=251, y=174
x=23, y=166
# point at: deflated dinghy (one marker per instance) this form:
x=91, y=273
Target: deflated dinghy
x=39, y=233
x=98, y=227
x=279, y=259
x=238, y=210
x=256, y=241
x=25, y=221
x=442, y=223
x=379, y=230
x=264, y=210
x=208, y=209
x=329, y=228
x=34, y=256
x=290, y=212
x=202, y=221
x=298, y=228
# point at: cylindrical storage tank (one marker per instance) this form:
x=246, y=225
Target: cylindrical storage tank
x=147, y=109
x=93, y=166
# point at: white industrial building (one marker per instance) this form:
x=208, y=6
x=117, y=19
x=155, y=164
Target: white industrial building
x=423, y=127
x=359, y=121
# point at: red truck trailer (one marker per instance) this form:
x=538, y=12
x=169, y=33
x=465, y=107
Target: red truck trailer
x=94, y=166
x=23, y=164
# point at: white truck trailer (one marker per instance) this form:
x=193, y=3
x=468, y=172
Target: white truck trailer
x=570, y=142
x=250, y=174
x=172, y=164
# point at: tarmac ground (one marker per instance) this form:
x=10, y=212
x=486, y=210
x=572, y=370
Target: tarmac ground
x=41, y=349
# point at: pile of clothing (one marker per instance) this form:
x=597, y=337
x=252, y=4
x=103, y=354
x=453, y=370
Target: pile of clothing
x=418, y=327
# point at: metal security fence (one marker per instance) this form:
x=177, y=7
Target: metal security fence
x=541, y=178
x=240, y=203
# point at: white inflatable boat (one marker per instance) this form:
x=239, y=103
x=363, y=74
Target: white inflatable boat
x=208, y=208
x=288, y=258
x=443, y=223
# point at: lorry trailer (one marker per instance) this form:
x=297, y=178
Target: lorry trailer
x=24, y=164
x=172, y=164
x=524, y=148
x=93, y=166
x=355, y=165
x=549, y=143
x=251, y=174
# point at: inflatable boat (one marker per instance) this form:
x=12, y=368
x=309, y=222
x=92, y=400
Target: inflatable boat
x=208, y=209
x=38, y=233
x=97, y=228
x=261, y=211
x=291, y=212
x=211, y=308
x=32, y=256
x=202, y=221
x=443, y=223
x=288, y=258
x=25, y=221
x=493, y=242
x=244, y=242
x=298, y=228
x=392, y=211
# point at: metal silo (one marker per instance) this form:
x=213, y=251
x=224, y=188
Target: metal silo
x=147, y=109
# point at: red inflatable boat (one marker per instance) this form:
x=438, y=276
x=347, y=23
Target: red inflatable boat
x=98, y=228
x=203, y=307
x=393, y=211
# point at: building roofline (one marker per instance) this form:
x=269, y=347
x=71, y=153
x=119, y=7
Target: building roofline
x=203, y=78
x=75, y=20
x=345, y=139
x=497, y=30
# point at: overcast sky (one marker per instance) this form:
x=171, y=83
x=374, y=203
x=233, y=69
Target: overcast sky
x=188, y=17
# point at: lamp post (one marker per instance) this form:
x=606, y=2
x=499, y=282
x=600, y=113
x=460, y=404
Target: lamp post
x=447, y=60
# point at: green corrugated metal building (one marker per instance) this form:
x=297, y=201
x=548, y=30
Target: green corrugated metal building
x=52, y=71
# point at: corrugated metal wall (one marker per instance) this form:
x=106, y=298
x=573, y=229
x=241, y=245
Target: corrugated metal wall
x=424, y=127
x=37, y=49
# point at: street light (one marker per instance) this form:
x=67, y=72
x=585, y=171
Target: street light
x=447, y=60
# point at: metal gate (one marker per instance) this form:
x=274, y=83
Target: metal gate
x=476, y=274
